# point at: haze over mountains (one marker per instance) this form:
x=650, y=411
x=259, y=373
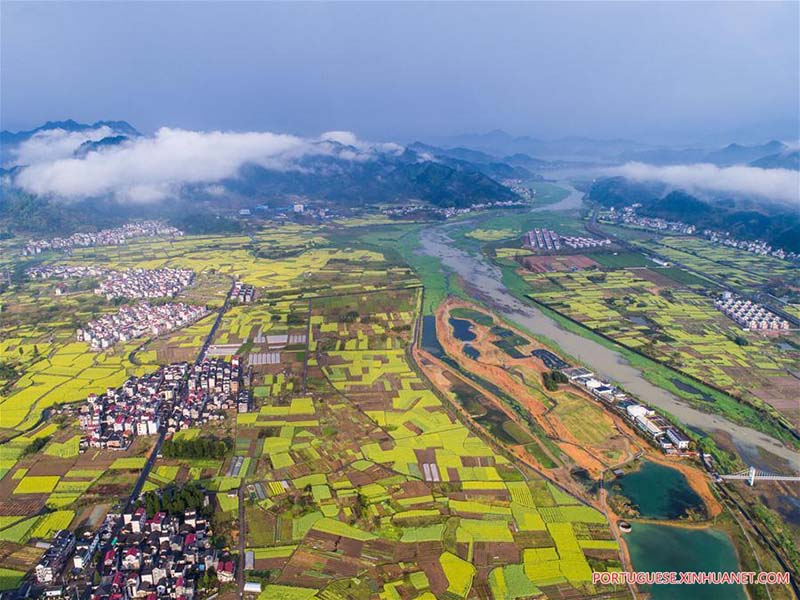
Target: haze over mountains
x=111, y=159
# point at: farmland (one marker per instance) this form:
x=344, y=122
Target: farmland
x=370, y=461
x=37, y=334
x=366, y=466
x=677, y=325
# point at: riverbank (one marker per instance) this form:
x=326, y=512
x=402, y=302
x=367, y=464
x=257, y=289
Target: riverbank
x=484, y=281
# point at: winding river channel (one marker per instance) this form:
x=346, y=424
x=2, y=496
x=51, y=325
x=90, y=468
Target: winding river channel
x=484, y=281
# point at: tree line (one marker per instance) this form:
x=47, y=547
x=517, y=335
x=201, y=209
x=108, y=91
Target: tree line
x=201, y=447
x=175, y=500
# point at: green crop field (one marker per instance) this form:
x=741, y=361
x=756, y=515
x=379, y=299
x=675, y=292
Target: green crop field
x=351, y=459
x=371, y=456
x=677, y=326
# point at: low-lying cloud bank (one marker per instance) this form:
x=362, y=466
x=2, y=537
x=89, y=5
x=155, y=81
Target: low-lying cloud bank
x=148, y=169
x=776, y=184
x=53, y=144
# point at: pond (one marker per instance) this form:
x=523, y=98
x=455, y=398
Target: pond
x=665, y=548
x=462, y=329
x=471, y=351
x=659, y=492
x=430, y=343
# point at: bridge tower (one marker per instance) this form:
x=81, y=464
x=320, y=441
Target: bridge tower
x=752, y=478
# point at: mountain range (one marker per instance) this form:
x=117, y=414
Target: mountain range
x=471, y=171
x=565, y=152
x=442, y=178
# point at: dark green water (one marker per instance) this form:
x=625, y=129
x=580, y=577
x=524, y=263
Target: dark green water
x=665, y=548
x=659, y=492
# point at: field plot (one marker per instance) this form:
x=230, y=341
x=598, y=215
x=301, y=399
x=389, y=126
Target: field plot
x=366, y=482
x=37, y=339
x=546, y=264
x=663, y=319
x=739, y=269
x=57, y=487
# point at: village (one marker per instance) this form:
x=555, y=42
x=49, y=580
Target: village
x=104, y=237
x=161, y=556
x=132, y=283
x=145, y=283
x=174, y=398
x=147, y=551
x=131, y=322
x=448, y=212
x=627, y=216
x=141, y=555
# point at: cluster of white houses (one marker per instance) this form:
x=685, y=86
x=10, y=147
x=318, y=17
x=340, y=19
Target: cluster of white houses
x=753, y=246
x=55, y=557
x=162, y=556
x=450, y=211
x=65, y=272
x=131, y=322
x=549, y=241
x=668, y=437
x=627, y=216
x=145, y=283
x=242, y=292
x=750, y=315
x=543, y=239
x=175, y=397
x=579, y=242
x=104, y=237
x=132, y=283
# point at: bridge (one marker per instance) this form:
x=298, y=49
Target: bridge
x=752, y=475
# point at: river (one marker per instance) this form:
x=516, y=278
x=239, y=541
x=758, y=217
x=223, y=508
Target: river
x=484, y=281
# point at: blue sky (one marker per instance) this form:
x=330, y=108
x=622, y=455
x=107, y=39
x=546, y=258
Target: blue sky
x=400, y=71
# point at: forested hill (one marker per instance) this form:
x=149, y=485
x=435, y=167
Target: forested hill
x=779, y=226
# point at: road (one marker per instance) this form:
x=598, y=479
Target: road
x=162, y=432
x=242, y=535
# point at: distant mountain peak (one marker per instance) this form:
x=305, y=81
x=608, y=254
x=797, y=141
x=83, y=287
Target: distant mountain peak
x=119, y=127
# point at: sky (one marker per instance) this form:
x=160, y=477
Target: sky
x=673, y=72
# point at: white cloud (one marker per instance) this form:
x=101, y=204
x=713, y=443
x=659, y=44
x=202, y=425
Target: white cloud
x=53, y=144
x=776, y=184
x=152, y=168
